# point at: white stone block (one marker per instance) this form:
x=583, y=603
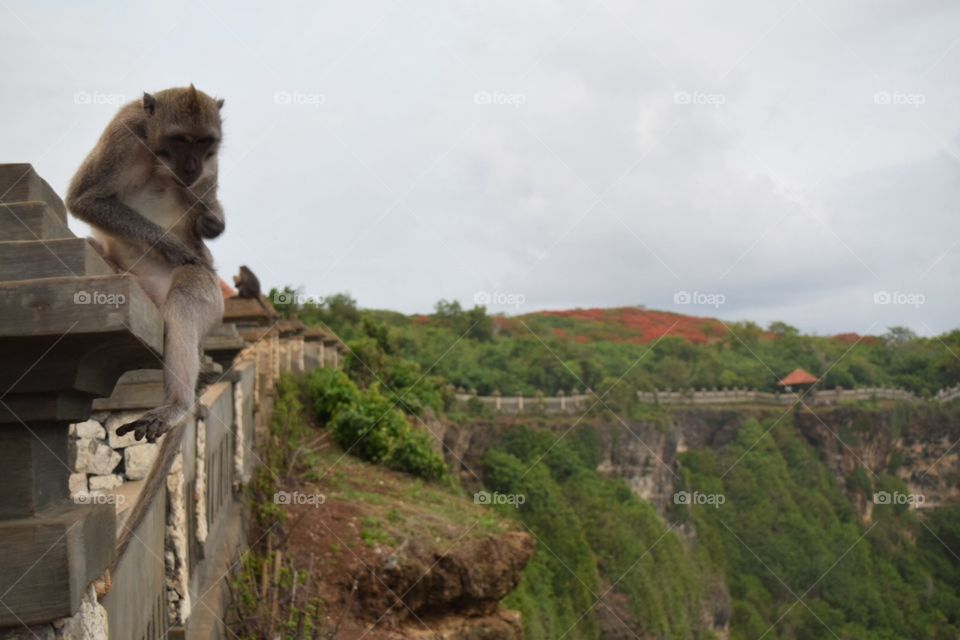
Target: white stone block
x=88, y=429
x=138, y=459
x=78, y=483
x=105, y=483
x=94, y=456
x=118, y=420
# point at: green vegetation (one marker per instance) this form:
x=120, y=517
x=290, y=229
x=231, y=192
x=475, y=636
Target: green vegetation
x=367, y=424
x=784, y=530
x=630, y=348
x=300, y=611
x=784, y=556
x=592, y=533
x=787, y=531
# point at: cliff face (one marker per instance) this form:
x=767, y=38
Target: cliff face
x=918, y=443
x=864, y=447
x=642, y=454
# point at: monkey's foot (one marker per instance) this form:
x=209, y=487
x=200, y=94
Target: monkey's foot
x=151, y=426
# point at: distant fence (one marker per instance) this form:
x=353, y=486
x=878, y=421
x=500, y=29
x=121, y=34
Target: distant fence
x=577, y=403
x=755, y=396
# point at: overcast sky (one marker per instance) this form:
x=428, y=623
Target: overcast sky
x=760, y=160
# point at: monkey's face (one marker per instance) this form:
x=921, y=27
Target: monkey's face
x=183, y=131
x=189, y=155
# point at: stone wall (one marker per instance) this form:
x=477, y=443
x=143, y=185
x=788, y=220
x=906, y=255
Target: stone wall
x=197, y=519
x=574, y=403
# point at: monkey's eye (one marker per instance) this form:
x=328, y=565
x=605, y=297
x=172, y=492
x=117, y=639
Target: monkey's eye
x=209, y=155
x=163, y=155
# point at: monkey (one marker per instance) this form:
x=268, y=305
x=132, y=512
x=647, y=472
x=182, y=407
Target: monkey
x=148, y=190
x=248, y=285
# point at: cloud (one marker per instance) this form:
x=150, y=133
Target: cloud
x=597, y=153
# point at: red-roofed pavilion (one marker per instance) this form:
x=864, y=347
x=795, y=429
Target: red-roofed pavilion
x=798, y=380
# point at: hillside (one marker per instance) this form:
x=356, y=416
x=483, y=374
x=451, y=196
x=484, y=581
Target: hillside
x=659, y=522
x=624, y=324
x=634, y=349
x=360, y=551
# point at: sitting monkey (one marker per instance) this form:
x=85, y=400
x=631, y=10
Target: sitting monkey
x=149, y=191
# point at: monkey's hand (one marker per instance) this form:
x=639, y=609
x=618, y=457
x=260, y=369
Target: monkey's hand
x=176, y=254
x=209, y=224
x=150, y=426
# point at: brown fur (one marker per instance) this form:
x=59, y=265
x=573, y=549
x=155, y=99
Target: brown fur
x=247, y=283
x=148, y=189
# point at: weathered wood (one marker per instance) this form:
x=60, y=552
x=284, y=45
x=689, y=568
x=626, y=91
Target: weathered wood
x=137, y=389
x=30, y=259
x=49, y=561
x=20, y=183
x=223, y=344
x=34, y=462
x=248, y=311
x=55, y=306
x=56, y=405
x=69, y=328
x=139, y=574
x=50, y=342
x=31, y=221
x=142, y=392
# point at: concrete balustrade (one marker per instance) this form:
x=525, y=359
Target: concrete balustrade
x=100, y=540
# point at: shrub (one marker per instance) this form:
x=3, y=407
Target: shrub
x=328, y=390
x=367, y=424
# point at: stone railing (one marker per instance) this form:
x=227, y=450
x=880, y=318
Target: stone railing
x=948, y=394
x=579, y=402
x=100, y=540
x=755, y=396
x=573, y=403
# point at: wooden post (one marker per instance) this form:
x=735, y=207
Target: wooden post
x=69, y=328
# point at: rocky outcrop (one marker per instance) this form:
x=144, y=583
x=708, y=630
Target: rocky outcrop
x=642, y=454
x=502, y=625
x=466, y=582
x=918, y=445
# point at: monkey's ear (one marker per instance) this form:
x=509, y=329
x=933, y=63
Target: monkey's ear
x=149, y=103
x=220, y=103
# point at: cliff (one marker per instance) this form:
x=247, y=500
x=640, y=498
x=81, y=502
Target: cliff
x=915, y=441
x=785, y=497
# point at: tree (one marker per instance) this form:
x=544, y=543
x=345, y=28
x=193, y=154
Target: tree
x=900, y=335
